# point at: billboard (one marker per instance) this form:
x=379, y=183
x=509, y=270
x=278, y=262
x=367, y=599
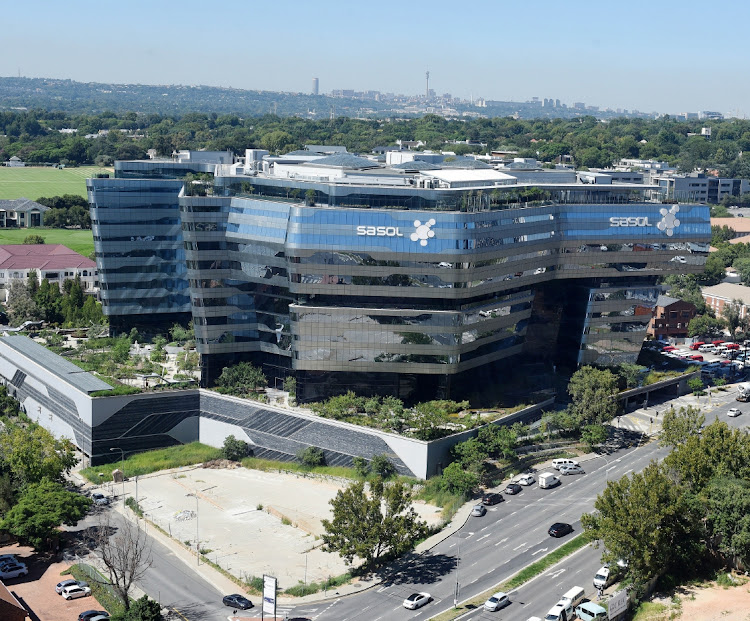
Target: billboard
x=618, y=603
x=269, y=595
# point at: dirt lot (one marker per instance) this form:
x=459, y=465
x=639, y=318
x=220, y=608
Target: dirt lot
x=708, y=602
x=37, y=590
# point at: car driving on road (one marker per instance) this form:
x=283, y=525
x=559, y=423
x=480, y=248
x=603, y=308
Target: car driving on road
x=559, y=529
x=526, y=479
x=513, y=488
x=492, y=499
x=734, y=412
x=235, y=600
x=478, y=511
x=571, y=470
x=416, y=600
x=497, y=601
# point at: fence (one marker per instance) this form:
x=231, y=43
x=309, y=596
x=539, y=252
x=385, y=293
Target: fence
x=95, y=576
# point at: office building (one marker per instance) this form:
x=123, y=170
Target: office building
x=415, y=279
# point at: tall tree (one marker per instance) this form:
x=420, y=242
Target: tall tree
x=125, y=552
x=372, y=528
x=33, y=454
x=41, y=508
x=593, y=396
x=679, y=425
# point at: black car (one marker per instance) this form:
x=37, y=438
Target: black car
x=90, y=614
x=492, y=499
x=237, y=601
x=559, y=529
x=513, y=488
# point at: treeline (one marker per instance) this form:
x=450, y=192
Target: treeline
x=34, y=137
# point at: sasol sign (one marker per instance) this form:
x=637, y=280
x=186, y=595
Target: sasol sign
x=629, y=221
x=379, y=231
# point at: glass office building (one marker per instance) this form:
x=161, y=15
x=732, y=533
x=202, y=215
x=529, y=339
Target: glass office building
x=348, y=274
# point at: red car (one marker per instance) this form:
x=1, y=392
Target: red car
x=697, y=358
x=732, y=346
x=716, y=342
x=668, y=348
x=696, y=345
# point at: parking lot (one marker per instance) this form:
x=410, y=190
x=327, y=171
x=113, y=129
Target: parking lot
x=712, y=358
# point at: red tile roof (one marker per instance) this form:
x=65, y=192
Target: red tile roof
x=42, y=257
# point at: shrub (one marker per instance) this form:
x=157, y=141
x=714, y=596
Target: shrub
x=312, y=457
x=382, y=466
x=361, y=467
x=235, y=449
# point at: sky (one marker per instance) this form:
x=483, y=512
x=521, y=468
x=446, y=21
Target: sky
x=669, y=56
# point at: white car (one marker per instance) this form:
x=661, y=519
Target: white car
x=416, y=600
x=497, y=601
x=734, y=412
x=571, y=470
x=526, y=479
x=13, y=571
x=99, y=498
x=75, y=591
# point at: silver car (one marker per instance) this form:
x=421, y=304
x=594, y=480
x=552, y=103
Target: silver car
x=571, y=470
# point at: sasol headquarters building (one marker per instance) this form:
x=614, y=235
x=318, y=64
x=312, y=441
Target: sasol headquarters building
x=418, y=278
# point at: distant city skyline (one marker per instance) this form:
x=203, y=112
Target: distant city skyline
x=608, y=55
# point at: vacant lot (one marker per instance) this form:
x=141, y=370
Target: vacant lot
x=34, y=182
x=82, y=241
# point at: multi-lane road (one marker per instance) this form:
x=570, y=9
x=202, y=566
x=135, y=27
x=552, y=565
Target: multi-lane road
x=487, y=550
x=483, y=553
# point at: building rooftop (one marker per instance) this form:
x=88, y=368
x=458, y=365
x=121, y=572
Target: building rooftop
x=42, y=257
x=664, y=301
x=729, y=291
x=345, y=160
x=51, y=362
x=738, y=225
x=21, y=204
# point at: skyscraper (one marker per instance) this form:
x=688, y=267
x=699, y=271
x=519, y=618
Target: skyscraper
x=315, y=86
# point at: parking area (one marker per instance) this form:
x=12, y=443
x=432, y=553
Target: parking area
x=716, y=359
x=37, y=590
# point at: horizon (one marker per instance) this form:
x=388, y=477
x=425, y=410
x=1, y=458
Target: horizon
x=593, y=53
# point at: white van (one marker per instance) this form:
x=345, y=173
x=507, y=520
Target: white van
x=603, y=579
x=561, y=611
x=589, y=611
x=721, y=349
x=574, y=596
x=558, y=463
x=708, y=348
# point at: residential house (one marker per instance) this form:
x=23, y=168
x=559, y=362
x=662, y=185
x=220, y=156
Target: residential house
x=670, y=319
x=21, y=213
x=721, y=295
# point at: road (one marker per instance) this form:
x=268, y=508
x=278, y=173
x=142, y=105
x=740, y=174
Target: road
x=490, y=549
x=171, y=581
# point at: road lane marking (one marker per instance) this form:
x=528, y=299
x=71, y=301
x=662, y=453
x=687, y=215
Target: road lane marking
x=501, y=541
x=519, y=547
x=483, y=537
x=539, y=550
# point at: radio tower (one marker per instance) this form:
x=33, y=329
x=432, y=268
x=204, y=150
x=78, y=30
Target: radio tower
x=427, y=86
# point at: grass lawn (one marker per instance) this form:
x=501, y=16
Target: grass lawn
x=33, y=182
x=79, y=240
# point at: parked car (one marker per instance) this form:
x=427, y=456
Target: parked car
x=559, y=529
x=75, y=591
x=99, y=498
x=571, y=470
x=734, y=412
x=478, y=511
x=668, y=348
x=526, y=479
x=4, y=558
x=492, y=499
x=235, y=600
x=65, y=583
x=497, y=601
x=512, y=489
x=13, y=571
x=559, y=463
x=89, y=615
x=416, y=600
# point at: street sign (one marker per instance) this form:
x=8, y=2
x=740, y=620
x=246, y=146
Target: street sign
x=618, y=603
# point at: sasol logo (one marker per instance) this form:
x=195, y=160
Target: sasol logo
x=380, y=231
x=631, y=221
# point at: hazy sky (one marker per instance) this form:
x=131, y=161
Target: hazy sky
x=664, y=56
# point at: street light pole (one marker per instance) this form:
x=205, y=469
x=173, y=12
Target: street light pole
x=458, y=562
x=122, y=468
x=197, y=539
x=606, y=468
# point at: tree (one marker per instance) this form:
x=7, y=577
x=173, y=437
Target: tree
x=143, y=609
x=458, y=480
x=33, y=239
x=593, y=393
x=696, y=385
x=679, y=425
x=732, y=314
x=235, y=449
x=647, y=520
x=472, y=456
x=713, y=272
x=33, y=454
x=593, y=435
x=742, y=266
x=21, y=306
x=632, y=374
x=705, y=325
x=126, y=553
x=718, y=451
x=728, y=517
x=41, y=509
x=382, y=467
x=380, y=526
x=242, y=378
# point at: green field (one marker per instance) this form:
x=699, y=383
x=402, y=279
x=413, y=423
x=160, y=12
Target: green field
x=34, y=182
x=82, y=241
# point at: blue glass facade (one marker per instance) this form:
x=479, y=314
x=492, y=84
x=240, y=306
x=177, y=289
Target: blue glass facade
x=375, y=287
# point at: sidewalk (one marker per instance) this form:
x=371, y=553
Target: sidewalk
x=646, y=420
